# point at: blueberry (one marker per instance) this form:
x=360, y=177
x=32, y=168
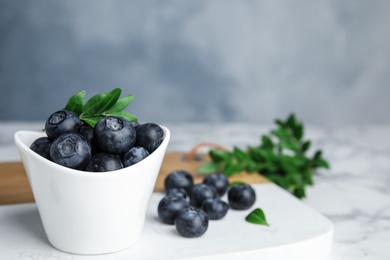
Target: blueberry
x=179, y=179
x=200, y=192
x=104, y=162
x=218, y=181
x=134, y=155
x=168, y=208
x=191, y=222
x=214, y=208
x=42, y=147
x=241, y=197
x=178, y=192
x=71, y=150
x=114, y=134
x=61, y=122
x=149, y=136
x=87, y=132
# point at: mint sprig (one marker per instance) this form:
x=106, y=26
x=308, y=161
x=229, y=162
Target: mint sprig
x=99, y=106
x=281, y=157
x=257, y=216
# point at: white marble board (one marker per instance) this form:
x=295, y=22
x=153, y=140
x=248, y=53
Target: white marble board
x=296, y=232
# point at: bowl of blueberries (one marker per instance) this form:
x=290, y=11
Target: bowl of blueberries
x=92, y=185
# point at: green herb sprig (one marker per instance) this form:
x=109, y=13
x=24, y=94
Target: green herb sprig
x=281, y=157
x=257, y=216
x=99, y=106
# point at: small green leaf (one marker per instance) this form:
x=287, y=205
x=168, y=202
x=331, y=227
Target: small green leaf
x=305, y=146
x=280, y=133
x=321, y=163
x=93, y=105
x=76, y=103
x=257, y=216
x=220, y=155
x=298, y=131
x=122, y=103
x=232, y=168
x=209, y=167
x=123, y=114
x=91, y=120
x=241, y=155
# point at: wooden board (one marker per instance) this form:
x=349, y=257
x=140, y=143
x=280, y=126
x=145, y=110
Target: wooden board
x=15, y=188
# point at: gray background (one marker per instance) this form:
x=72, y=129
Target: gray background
x=200, y=61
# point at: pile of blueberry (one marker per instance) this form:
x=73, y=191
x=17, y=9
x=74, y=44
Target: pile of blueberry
x=113, y=143
x=190, y=206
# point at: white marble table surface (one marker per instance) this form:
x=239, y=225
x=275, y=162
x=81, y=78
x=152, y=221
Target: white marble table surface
x=354, y=194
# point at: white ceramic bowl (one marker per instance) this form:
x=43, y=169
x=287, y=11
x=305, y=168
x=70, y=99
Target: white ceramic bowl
x=90, y=212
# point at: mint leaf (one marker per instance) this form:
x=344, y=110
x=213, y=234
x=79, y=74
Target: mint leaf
x=122, y=103
x=220, y=155
x=257, y=216
x=91, y=120
x=93, y=105
x=209, y=167
x=76, y=103
x=123, y=114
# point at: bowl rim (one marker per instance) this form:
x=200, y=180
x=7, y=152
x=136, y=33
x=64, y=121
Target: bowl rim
x=65, y=170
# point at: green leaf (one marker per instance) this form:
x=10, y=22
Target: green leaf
x=232, y=168
x=241, y=155
x=267, y=142
x=321, y=163
x=209, y=167
x=91, y=120
x=291, y=121
x=257, y=216
x=280, y=133
x=305, y=146
x=220, y=155
x=100, y=103
x=76, y=103
x=123, y=114
x=122, y=103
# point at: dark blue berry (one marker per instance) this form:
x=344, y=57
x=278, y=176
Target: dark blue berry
x=87, y=132
x=104, y=162
x=218, y=181
x=214, y=208
x=191, y=222
x=179, y=179
x=114, y=134
x=149, y=136
x=178, y=192
x=168, y=208
x=71, y=150
x=241, y=197
x=42, y=147
x=61, y=122
x=200, y=192
x=134, y=155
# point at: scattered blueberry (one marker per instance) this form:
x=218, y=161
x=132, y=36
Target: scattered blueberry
x=149, y=136
x=71, y=150
x=179, y=179
x=104, y=162
x=61, y=122
x=200, y=192
x=134, y=155
x=191, y=222
x=42, y=147
x=178, y=192
x=218, y=181
x=241, y=197
x=114, y=134
x=215, y=208
x=168, y=208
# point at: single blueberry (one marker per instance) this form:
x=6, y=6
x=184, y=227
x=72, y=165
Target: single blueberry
x=178, y=192
x=168, y=208
x=71, y=150
x=114, y=134
x=104, y=162
x=241, y=197
x=42, y=147
x=87, y=132
x=200, y=192
x=191, y=222
x=218, y=181
x=149, y=136
x=214, y=208
x=134, y=155
x=60, y=122
x=179, y=179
